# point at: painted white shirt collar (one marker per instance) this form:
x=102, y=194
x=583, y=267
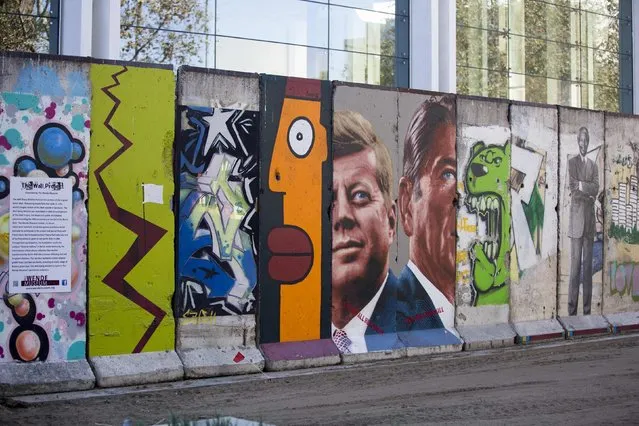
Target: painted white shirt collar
x=356, y=327
x=438, y=298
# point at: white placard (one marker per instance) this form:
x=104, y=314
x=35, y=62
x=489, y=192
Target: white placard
x=153, y=193
x=40, y=235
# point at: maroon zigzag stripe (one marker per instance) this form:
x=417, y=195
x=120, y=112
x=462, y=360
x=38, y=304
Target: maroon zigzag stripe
x=147, y=233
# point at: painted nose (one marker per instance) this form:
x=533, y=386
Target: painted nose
x=478, y=169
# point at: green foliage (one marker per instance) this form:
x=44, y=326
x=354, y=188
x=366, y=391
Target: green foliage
x=620, y=233
x=21, y=32
x=148, y=30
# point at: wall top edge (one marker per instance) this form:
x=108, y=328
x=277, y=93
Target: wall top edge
x=216, y=71
x=534, y=104
x=620, y=115
x=81, y=60
x=483, y=99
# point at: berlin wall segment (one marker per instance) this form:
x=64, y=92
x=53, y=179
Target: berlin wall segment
x=131, y=250
x=45, y=120
x=217, y=222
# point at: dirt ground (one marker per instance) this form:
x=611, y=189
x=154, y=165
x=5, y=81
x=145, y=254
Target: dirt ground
x=586, y=382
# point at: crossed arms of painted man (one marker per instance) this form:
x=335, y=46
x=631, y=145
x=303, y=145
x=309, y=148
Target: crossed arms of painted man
x=584, y=188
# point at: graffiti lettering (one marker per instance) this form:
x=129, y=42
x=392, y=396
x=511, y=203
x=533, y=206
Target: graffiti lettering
x=624, y=279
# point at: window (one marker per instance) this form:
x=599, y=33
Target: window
x=567, y=52
x=30, y=25
x=351, y=40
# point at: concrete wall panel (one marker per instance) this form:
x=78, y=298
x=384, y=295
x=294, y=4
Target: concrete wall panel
x=33, y=94
x=295, y=230
x=534, y=192
x=621, y=236
x=483, y=218
x=131, y=241
x=580, y=206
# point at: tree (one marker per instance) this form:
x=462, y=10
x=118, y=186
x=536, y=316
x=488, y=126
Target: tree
x=158, y=30
x=24, y=25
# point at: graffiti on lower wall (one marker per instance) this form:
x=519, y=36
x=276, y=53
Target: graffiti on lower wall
x=488, y=196
x=624, y=203
x=45, y=136
x=131, y=241
x=624, y=279
x=217, y=225
x=294, y=210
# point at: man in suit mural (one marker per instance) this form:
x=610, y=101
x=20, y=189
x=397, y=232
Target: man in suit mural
x=363, y=219
x=584, y=185
x=427, y=193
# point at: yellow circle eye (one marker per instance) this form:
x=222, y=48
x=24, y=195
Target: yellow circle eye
x=300, y=137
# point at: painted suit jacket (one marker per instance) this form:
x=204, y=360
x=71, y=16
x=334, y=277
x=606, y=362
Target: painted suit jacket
x=417, y=320
x=381, y=333
x=582, y=206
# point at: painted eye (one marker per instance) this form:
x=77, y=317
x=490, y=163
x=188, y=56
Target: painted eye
x=300, y=137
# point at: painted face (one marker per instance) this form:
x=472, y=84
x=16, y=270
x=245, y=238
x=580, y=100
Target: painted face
x=582, y=139
x=363, y=227
x=296, y=171
x=433, y=211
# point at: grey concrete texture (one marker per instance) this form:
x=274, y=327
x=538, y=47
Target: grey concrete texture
x=623, y=322
x=40, y=72
x=45, y=377
x=621, y=241
x=218, y=89
x=570, y=121
x=373, y=356
x=478, y=337
x=485, y=121
x=224, y=361
x=539, y=331
x=585, y=326
x=294, y=364
x=415, y=351
x=216, y=332
x=535, y=155
x=136, y=369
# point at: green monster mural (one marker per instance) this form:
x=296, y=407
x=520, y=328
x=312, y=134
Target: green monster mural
x=488, y=193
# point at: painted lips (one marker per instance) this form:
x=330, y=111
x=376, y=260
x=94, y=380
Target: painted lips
x=291, y=254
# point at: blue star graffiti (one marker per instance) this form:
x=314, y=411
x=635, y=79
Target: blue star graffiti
x=217, y=263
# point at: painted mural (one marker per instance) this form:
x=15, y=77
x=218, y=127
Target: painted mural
x=45, y=135
x=534, y=191
x=294, y=210
x=621, y=277
x=131, y=239
x=582, y=215
x=484, y=243
x=217, y=224
x=378, y=303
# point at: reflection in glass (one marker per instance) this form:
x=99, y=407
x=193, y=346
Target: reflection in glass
x=487, y=14
x=599, y=32
x=482, y=49
x=284, y=21
x=362, y=31
x=166, y=47
x=178, y=15
x=384, y=6
x=482, y=82
x=603, y=7
x=361, y=68
x=25, y=33
x=271, y=58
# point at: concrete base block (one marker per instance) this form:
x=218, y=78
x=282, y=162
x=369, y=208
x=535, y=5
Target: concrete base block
x=137, y=369
x=228, y=361
x=538, y=331
x=306, y=354
x=623, y=322
x=584, y=326
x=373, y=356
x=487, y=336
x=430, y=350
x=45, y=377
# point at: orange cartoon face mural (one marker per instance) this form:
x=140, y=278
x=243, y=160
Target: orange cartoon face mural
x=294, y=211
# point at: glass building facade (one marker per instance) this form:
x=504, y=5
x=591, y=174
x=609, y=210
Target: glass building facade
x=352, y=40
x=567, y=52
